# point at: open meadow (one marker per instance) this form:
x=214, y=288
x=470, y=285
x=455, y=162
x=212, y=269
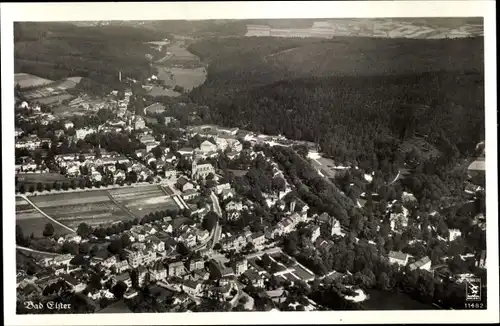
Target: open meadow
x=188, y=78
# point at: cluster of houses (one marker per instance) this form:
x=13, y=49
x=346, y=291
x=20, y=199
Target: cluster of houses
x=402, y=259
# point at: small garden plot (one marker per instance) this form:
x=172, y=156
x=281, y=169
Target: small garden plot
x=73, y=215
x=302, y=273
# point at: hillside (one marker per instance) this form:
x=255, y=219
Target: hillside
x=238, y=64
x=348, y=93
x=60, y=50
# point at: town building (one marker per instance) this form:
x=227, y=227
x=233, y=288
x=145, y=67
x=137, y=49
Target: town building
x=192, y=287
x=123, y=277
x=196, y=264
x=184, y=184
x=454, y=234
x=208, y=147
x=176, y=269
x=83, y=132
x=139, y=123
x=240, y=266
x=190, y=194
x=424, y=263
x=201, y=171
x=315, y=233
x=397, y=257
x=252, y=277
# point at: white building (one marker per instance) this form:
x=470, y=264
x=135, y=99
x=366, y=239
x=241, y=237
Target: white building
x=424, y=263
x=207, y=147
x=454, y=233
x=201, y=171
x=83, y=132
x=397, y=257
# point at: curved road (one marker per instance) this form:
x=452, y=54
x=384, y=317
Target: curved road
x=43, y=213
x=396, y=178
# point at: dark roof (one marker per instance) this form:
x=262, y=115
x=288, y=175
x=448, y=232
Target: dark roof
x=182, y=181
x=191, y=284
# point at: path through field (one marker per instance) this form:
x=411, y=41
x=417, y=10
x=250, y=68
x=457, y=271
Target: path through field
x=43, y=213
x=36, y=251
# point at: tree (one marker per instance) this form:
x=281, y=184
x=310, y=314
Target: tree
x=119, y=289
x=70, y=247
x=48, y=231
x=157, y=152
x=217, y=246
x=125, y=240
x=78, y=260
x=210, y=221
x=84, y=248
x=19, y=235
x=39, y=187
x=95, y=281
x=182, y=249
x=84, y=230
x=115, y=246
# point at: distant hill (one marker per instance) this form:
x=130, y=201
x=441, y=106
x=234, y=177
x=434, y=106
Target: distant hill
x=244, y=63
x=58, y=50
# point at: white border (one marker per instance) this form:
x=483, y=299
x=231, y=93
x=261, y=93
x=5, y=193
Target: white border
x=246, y=10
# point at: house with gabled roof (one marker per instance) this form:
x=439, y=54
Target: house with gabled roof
x=398, y=257
x=424, y=263
x=184, y=184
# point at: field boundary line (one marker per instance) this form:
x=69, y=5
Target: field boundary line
x=121, y=206
x=44, y=214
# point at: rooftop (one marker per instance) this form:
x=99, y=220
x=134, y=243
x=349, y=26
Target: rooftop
x=398, y=255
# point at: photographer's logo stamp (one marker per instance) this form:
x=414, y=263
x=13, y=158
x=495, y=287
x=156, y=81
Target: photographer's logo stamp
x=473, y=289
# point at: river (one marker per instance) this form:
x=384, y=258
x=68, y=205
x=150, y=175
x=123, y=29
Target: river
x=380, y=300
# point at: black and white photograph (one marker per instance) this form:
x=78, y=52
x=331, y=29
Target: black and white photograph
x=271, y=167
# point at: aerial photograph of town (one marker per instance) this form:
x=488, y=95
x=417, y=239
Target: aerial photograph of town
x=249, y=165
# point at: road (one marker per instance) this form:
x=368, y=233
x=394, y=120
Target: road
x=43, y=213
x=218, y=211
x=215, y=201
x=396, y=178
x=36, y=251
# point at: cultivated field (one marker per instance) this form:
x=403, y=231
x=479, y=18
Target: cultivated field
x=27, y=80
x=143, y=200
x=55, y=99
x=32, y=221
x=91, y=207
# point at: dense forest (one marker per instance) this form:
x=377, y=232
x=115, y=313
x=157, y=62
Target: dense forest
x=60, y=50
x=347, y=94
